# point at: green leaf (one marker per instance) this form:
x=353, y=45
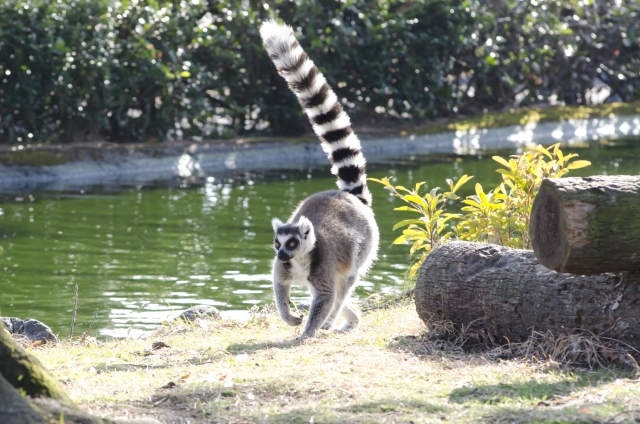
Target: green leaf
x=185, y=74
x=400, y=240
x=413, y=231
x=578, y=164
x=480, y=193
x=384, y=181
x=407, y=222
x=501, y=161
x=415, y=267
x=407, y=208
x=463, y=180
x=471, y=203
x=543, y=151
x=416, y=199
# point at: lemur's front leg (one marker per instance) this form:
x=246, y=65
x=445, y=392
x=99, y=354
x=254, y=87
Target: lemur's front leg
x=282, y=290
x=321, y=305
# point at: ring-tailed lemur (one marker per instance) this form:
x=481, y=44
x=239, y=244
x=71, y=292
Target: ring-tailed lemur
x=332, y=236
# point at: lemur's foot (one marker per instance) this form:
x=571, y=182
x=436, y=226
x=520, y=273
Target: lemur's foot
x=327, y=325
x=347, y=326
x=306, y=336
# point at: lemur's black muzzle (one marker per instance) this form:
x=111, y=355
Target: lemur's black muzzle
x=282, y=255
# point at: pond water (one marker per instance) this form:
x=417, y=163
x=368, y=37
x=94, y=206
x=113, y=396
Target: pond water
x=143, y=253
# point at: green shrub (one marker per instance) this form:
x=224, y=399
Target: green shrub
x=75, y=70
x=133, y=70
x=432, y=228
x=547, y=50
x=84, y=69
x=500, y=216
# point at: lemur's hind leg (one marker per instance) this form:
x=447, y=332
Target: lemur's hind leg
x=349, y=312
x=344, y=287
x=351, y=316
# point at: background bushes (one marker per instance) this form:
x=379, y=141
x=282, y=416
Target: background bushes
x=537, y=51
x=149, y=70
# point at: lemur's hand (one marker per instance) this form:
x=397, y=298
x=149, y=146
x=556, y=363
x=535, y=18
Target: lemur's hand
x=293, y=320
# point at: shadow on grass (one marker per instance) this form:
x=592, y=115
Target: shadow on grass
x=231, y=406
x=527, y=391
x=585, y=414
x=103, y=369
x=389, y=410
x=549, y=402
x=254, y=347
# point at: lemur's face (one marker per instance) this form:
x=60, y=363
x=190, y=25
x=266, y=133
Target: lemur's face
x=293, y=240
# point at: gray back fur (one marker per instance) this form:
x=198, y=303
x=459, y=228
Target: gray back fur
x=344, y=229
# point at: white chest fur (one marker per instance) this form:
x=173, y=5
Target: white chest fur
x=300, y=270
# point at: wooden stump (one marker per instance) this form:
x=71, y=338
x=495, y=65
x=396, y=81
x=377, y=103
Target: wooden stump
x=507, y=293
x=587, y=225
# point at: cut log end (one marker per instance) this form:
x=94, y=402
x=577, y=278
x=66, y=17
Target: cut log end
x=547, y=229
x=587, y=225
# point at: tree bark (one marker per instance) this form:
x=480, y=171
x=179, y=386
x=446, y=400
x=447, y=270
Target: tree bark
x=45, y=400
x=506, y=293
x=16, y=409
x=26, y=372
x=587, y=225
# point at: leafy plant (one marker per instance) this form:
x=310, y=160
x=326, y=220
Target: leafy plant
x=430, y=229
x=499, y=216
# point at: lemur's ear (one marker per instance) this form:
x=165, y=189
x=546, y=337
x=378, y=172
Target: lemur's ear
x=276, y=223
x=306, y=227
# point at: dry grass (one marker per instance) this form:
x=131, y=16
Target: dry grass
x=389, y=370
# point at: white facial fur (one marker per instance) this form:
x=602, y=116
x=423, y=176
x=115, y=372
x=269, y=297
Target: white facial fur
x=306, y=239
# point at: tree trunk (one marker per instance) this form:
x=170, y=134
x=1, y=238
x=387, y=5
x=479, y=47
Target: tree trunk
x=505, y=293
x=24, y=371
x=587, y=225
x=16, y=409
x=45, y=402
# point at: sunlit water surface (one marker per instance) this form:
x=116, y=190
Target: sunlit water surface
x=142, y=254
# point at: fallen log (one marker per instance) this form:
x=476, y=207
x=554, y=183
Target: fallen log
x=587, y=225
x=505, y=293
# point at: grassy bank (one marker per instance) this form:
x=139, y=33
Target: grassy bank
x=526, y=116
x=387, y=371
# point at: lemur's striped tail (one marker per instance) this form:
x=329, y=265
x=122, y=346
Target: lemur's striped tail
x=320, y=103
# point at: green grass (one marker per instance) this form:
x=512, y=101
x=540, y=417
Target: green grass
x=225, y=371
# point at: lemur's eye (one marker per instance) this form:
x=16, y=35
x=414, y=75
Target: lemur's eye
x=292, y=244
x=277, y=245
